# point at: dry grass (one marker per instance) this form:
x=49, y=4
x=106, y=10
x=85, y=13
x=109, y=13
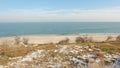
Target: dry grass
x=46, y=46
x=4, y=60
x=18, y=50
x=7, y=51
x=109, y=46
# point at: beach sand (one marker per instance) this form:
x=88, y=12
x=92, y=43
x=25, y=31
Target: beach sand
x=42, y=39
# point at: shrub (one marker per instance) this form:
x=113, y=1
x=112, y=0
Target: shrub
x=83, y=39
x=17, y=40
x=65, y=41
x=79, y=40
x=118, y=38
x=109, y=38
x=90, y=39
x=25, y=41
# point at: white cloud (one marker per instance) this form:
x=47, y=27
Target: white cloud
x=49, y=15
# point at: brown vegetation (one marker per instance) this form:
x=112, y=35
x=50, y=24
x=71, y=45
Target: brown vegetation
x=17, y=40
x=118, y=38
x=65, y=41
x=83, y=39
x=3, y=48
x=109, y=38
x=100, y=55
x=25, y=41
x=7, y=51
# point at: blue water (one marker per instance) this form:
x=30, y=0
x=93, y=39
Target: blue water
x=14, y=29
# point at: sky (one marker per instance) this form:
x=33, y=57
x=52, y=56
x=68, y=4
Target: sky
x=59, y=10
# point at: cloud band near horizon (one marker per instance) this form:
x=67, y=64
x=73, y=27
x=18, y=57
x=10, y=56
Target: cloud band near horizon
x=61, y=15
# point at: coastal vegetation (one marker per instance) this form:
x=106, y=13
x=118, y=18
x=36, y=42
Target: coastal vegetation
x=13, y=50
x=63, y=51
x=109, y=38
x=83, y=39
x=65, y=41
x=118, y=38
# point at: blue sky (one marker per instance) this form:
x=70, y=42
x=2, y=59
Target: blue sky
x=59, y=10
x=58, y=4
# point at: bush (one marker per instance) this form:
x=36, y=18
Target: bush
x=25, y=41
x=109, y=38
x=118, y=38
x=83, y=39
x=90, y=39
x=17, y=40
x=65, y=41
x=79, y=40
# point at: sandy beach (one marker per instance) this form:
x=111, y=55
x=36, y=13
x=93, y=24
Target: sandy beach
x=41, y=39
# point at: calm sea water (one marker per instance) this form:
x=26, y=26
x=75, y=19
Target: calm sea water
x=14, y=29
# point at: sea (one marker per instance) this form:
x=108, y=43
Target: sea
x=58, y=28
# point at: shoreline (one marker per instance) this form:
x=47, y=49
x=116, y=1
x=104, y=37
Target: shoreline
x=61, y=34
x=42, y=39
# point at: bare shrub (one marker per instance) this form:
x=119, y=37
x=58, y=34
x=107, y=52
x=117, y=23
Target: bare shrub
x=90, y=39
x=118, y=38
x=83, y=39
x=17, y=40
x=25, y=41
x=65, y=41
x=109, y=38
x=79, y=40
